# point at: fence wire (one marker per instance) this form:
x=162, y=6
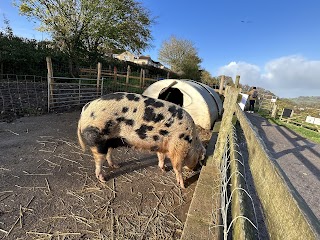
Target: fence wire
x=68, y=93
x=22, y=95
x=230, y=218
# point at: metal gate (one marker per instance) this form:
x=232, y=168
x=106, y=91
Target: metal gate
x=67, y=93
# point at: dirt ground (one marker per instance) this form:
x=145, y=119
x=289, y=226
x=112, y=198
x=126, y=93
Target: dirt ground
x=48, y=189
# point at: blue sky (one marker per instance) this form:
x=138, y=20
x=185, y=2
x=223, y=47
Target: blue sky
x=274, y=44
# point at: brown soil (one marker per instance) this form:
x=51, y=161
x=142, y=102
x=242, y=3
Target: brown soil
x=48, y=189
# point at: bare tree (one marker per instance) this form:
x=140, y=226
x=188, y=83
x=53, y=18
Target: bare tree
x=181, y=56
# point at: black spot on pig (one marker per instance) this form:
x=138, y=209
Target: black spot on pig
x=104, y=145
x=181, y=135
x=142, y=131
x=134, y=110
x=108, y=127
x=163, y=132
x=180, y=113
x=150, y=115
x=92, y=136
x=153, y=102
x=155, y=137
x=176, y=112
x=120, y=119
x=188, y=139
x=92, y=115
x=129, y=122
x=133, y=97
x=158, y=117
x=149, y=101
x=113, y=96
x=125, y=109
x=169, y=122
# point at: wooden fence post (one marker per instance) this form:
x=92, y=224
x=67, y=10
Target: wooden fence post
x=99, y=76
x=221, y=85
x=115, y=74
x=236, y=84
x=168, y=75
x=281, y=114
x=127, y=77
x=229, y=106
x=50, y=81
x=141, y=78
x=274, y=111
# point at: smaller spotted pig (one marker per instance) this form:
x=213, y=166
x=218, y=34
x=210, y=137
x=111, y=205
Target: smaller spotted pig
x=129, y=119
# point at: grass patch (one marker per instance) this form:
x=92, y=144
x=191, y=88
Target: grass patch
x=303, y=132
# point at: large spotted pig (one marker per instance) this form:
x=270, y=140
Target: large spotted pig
x=130, y=119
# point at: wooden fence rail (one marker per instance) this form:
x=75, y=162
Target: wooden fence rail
x=299, y=120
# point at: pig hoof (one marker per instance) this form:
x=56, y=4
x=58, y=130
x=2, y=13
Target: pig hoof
x=163, y=169
x=181, y=185
x=101, y=178
x=114, y=166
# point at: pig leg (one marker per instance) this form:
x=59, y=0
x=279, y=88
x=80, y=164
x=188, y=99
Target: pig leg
x=99, y=159
x=177, y=168
x=177, y=153
x=176, y=162
x=161, y=157
x=109, y=159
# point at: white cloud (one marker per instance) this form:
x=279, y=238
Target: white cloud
x=249, y=74
x=289, y=76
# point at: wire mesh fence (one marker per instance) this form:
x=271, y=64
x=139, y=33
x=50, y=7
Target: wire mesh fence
x=68, y=93
x=22, y=95
x=238, y=214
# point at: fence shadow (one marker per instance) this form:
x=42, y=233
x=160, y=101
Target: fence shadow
x=294, y=143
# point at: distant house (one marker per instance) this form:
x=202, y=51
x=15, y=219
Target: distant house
x=146, y=60
x=142, y=60
x=158, y=65
x=126, y=56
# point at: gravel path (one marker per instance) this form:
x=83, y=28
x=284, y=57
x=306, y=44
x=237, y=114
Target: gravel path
x=298, y=157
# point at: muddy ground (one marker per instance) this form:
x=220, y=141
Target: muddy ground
x=48, y=189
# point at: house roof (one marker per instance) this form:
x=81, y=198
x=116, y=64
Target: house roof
x=145, y=57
